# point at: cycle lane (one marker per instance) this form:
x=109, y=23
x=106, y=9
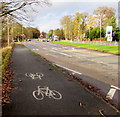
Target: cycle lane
x=75, y=99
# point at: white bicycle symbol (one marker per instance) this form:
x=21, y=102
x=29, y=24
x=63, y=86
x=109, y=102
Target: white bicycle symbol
x=40, y=92
x=34, y=76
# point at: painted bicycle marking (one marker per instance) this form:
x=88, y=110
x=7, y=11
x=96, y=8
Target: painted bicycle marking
x=40, y=92
x=34, y=75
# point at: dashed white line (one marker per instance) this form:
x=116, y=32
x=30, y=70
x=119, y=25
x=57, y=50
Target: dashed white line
x=69, y=69
x=65, y=54
x=52, y=50
x=35, y=49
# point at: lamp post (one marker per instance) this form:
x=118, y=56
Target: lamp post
x=100, y=27
x=8, y=30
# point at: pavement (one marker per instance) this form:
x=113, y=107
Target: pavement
x=42, y=89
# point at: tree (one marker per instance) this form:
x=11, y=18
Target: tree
x=77, y=24
x=17, y=11
x=31, y=32
x=91, y=21
x=80, y=22
x=59, y=33
x=12, y=7
x=112, y=22
x=67, y=24
x=104, y=14
x=50, y=33
x=94, y=33
x=44, y=34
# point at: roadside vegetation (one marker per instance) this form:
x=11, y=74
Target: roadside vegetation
x=103, y=48
x=11, y=15
x=82, y=26
x=6, y=73
x=6, y=54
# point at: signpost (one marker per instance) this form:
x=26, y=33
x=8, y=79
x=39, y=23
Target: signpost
x=109, y=33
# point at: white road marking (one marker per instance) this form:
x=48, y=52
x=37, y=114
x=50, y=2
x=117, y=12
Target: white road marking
x=65, y=54
x=41, y=91
x=112, y=91
x=64, y=47
x=35, y=75
x=112, y=86
x=35, y=49
x=52, y=50
x=69, y=69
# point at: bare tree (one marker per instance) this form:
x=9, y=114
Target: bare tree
x=15, y=7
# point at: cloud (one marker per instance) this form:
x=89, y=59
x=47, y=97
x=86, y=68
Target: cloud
x=49, y=17
x=45, y=27
x=49, y=21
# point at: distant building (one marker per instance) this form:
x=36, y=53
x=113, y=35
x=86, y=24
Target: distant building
x=41, y=36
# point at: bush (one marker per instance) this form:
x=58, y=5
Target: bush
x=95, y=33
x=117, y=36
x=6, y=54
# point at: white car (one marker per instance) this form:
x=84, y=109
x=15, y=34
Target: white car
x=56, y=38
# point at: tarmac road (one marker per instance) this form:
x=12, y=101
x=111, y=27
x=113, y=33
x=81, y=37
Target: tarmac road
x=73, y=98
x=87, y=62
x=97, y=68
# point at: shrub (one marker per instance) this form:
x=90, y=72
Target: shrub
x=6, y=54
x=117, y=36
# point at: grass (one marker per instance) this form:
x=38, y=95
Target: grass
x=103, y=48
x=6, y=54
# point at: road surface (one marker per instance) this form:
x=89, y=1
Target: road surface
x=41, y=89
x=97, y=68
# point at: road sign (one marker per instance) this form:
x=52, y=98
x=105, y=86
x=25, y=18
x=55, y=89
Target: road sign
x=109, y=33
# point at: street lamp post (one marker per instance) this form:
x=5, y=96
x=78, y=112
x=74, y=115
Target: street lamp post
x=8, y=30
x=100, y=27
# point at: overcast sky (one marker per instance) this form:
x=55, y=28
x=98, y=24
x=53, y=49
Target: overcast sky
x=49, y=17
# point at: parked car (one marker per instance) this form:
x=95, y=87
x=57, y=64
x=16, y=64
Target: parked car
x=55, y=38
x=29, y=39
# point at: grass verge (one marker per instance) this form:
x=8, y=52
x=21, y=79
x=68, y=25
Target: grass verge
x=6, y=54
x=102, y=48
x=6, y=73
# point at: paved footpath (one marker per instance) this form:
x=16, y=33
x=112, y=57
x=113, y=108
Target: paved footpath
x=42, y=89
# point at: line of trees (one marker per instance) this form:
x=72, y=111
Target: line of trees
x=13, y=30
x=82, y=26
x=11, y=13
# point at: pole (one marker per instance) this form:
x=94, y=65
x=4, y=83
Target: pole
x=8, y=31
x=100, y=27
x=89, y=32
x=22, y=32
x=12, y=30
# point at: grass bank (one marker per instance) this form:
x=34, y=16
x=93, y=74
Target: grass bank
x=102, y=48
x=6, y=55
x=6, y=74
